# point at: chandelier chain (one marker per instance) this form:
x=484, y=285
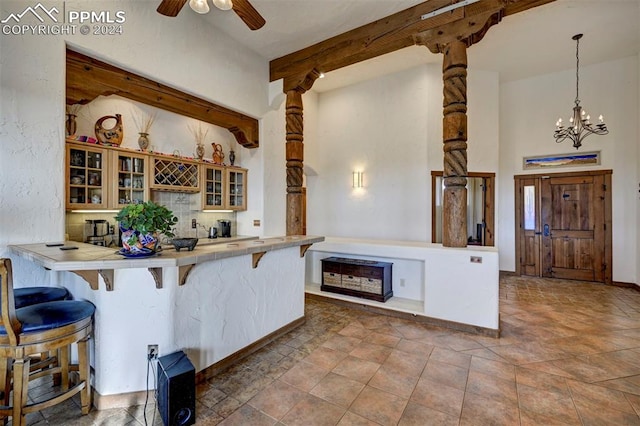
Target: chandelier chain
x=577, y=72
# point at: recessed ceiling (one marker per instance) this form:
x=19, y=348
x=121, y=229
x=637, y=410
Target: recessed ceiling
x=534, y=42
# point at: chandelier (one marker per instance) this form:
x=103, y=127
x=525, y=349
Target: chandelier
x=580, y=125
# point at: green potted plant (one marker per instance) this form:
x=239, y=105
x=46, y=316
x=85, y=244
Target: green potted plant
x=141, y=223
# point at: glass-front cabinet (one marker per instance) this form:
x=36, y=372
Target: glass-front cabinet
x=213, y=188
x=131, y=183
x=86, y=177
x=237, y=188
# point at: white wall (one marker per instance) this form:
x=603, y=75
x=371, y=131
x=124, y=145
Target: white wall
x=391, y=129
x=182, y=52
x=377, y=127
x=528, y=111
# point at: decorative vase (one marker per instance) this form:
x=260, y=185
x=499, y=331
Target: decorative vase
x=70, y=125
x=147, y=241
x=232, y=157
x=200, y=151
x=112, y=136
x=143, y=141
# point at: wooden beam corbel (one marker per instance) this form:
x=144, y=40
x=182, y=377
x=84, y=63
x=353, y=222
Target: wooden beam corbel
x=304, y=248
x=91, y=277
x=256, y=258
x=183, y=272
x=301, y=82
x=469, y=30
x=156, y=273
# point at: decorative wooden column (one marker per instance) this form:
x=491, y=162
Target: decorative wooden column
x=454, y=137
x=295, y=88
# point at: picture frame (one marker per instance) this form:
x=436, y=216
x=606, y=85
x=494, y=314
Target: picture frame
x=561, y=160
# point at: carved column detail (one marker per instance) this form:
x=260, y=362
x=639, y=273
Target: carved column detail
x=454, y=136
x=295, y=159
x=294, y=149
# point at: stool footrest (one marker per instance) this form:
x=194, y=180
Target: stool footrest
x=6, y=411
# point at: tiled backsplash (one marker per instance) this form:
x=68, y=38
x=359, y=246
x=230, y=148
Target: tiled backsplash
x=185, y=206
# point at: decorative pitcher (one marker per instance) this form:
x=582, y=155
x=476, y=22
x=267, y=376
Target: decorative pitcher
x=218, y=155
x=112, y=136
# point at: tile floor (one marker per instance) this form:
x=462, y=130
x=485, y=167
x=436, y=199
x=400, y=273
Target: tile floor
x=569, y=354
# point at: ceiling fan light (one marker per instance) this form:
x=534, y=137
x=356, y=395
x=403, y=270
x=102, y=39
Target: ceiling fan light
x=223, y=4
x=199, y=6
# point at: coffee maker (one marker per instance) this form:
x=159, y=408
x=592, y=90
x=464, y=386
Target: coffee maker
x=95, y=231
x=224, y=228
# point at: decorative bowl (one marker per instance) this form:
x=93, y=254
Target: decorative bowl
x=188, y=243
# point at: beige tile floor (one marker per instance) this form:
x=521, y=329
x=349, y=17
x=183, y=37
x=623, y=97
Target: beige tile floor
x=569, y=354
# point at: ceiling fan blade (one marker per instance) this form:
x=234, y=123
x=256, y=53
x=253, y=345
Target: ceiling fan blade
x=248, y=14
x=171, y=7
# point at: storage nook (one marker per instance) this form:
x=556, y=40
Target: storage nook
x=369, y=279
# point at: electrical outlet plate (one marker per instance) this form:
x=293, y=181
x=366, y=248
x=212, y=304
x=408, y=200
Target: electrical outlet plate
x=152, y=351
x=193, y=223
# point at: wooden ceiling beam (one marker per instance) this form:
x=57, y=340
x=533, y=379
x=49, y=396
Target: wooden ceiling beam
x=397, y=31
x=87, y=78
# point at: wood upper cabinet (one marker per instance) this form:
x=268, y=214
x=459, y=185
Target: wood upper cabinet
x=100, y=178
x=130, y=182
x=86, y=177
x=175, y=174
x=224, y=188
x=237, y=188
x=213, y=187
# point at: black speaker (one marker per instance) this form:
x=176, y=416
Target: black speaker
x=176, y=390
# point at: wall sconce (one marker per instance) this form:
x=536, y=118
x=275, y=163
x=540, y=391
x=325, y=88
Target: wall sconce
x=357, y=179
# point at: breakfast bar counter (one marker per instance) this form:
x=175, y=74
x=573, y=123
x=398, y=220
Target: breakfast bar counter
x=89, y=260
x=217, y=303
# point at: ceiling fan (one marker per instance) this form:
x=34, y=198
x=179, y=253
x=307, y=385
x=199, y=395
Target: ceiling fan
x=242, y=8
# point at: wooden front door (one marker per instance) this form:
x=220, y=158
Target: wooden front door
x=564, y=226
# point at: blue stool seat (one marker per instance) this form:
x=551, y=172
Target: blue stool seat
x=52, y=315
x=27, y=296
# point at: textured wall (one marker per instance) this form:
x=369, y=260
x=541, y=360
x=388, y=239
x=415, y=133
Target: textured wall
x=224, y=306
x=201, y=61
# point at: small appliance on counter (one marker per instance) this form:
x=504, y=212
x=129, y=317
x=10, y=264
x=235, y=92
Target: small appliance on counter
x=95, y=230
x=224, y=228
x=213, y=232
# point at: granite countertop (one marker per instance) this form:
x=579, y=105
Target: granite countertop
x=90, y=257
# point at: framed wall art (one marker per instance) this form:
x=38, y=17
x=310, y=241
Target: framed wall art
x=561, y=160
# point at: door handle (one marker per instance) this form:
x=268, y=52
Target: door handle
x=546, y=230
x=538, y=233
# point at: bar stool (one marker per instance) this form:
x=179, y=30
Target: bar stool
x=39, y=328
x=27, y=296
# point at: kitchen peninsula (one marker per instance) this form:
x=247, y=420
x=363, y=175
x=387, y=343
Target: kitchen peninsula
x=217, y=302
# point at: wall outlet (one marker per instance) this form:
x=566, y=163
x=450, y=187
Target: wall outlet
x=193, y=223
x=401, y=282
x=152, y=351
x=256, y=222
